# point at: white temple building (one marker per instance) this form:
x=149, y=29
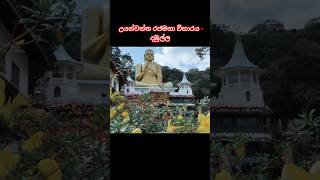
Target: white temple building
x=239, y=107
x=184, y=88
x=181, y=95
x=240, y=110
x=85, y=81
x=61, y=86
x=240, y=82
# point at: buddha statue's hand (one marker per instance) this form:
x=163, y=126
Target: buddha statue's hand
x=140, y=76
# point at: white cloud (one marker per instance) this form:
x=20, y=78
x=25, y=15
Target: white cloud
x=183, y=58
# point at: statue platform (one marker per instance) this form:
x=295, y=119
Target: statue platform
x=132, y=91
x=158, y=98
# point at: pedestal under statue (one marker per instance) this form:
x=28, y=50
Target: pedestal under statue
x=149, y=74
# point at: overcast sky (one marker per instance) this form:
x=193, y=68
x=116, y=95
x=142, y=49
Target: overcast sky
x=83, y=4
x=183, y=58
x=244, y=14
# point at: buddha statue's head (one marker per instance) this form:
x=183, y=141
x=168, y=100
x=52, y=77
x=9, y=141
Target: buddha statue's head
x=148, y=56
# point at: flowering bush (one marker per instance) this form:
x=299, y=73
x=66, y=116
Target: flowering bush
x=40, y=142
x=141, y=115
x=295, y=154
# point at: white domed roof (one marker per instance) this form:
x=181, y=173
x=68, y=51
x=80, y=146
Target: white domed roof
x=239, y=58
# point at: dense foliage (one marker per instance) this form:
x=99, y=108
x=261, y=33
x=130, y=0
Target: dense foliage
x=67, y=142
x=295, y=154
x=141, y=115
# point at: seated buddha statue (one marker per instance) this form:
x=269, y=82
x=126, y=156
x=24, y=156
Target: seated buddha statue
x=149, y=74
x=95, y=44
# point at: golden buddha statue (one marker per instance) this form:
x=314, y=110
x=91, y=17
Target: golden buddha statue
x=96, y=50
x=149, y=74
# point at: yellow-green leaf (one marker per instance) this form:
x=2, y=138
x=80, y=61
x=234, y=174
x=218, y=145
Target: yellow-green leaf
x=113, y=112
x=33, y=142
x=2, y=91
x=19, y=101
x=293, y=172
x=137, y=131
x=240, y=150
x=50, y=169
x=315, y=171
x=204, y=124
x=223, y=175
x=8, y=161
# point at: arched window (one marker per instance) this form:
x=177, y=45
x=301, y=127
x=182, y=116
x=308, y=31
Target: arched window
x=57, y=92
x=248, y=96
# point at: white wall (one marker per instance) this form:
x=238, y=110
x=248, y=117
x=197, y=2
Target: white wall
x=91, y=92
x=68, y=88
x=235, y=96
x=19, y=57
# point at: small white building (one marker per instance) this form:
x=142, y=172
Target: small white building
x=62, y=85
x=240, y=107
x=240, y=82
x=240, y=110
x=184, y=87
x=61, y=82
x=184, y=95
x=85, y=81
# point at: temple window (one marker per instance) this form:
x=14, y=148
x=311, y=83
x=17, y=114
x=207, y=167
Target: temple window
x=233, y=77
x=245, y=76
x=57, y=73
x=57, y=92
x=248, y=96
